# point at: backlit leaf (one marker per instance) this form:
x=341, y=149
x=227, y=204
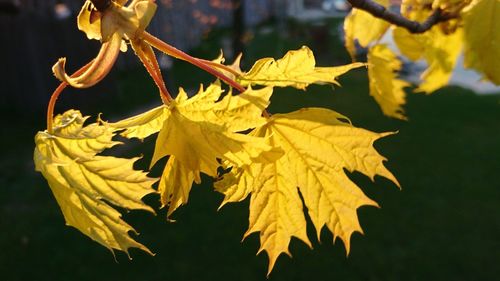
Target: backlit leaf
x=198, y=144
x=236, y=113
x=85, y=184
x=296, y=69
x=175, y=185
x=319, y=146
x=387, y=90
x=198, y=131
x=482, y=38
x=440, y=50
x=363, y=27
x=143, y=125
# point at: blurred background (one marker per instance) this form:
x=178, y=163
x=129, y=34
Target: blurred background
x=443, y=225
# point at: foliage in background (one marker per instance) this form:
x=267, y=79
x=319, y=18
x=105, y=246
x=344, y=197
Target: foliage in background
x=471, y=26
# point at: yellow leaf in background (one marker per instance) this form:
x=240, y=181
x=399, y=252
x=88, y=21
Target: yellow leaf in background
x=175, y=185
x=85, y=184
x=442, y=57
x=362, y=26
x=482, y=38
x=440, y=51
x=450, y=6
x=410, y=45
x=417, y=10
x=296, y=69
x=318, y=146
x=387, y=90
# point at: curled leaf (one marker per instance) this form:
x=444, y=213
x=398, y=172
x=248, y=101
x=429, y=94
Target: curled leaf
x=99, y=68
x=128, y=21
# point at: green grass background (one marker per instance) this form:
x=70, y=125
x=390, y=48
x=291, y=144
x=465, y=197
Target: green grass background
x=443, y=225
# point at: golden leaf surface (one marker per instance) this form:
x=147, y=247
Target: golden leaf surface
x=385, y=87
x=198, y=131
x=319, y=146
x=482, y=38
x=85, y=184
x=362, y=26
x=198, y=144
x=296, y=69
x=236, y=113
x=175, y=185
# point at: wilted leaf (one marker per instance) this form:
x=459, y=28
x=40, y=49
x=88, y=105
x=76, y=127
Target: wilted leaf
x=318, y=146
x=385, y=87
x=85, y=184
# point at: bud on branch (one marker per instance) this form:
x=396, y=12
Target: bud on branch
x=101, y=5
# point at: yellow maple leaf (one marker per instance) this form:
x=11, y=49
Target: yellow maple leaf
x=318, y=144
x=198, y=144
x=364, y=27
x=384, y=86
x=440, y=50
x=198, y=131
x=236, y=113
x=482, y=38
x=296, y=69
x=85, y=184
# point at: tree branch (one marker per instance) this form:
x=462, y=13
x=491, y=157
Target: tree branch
x=383, y=13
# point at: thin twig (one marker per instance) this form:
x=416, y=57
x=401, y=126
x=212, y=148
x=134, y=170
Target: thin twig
x=382, y=12
x=176, y=53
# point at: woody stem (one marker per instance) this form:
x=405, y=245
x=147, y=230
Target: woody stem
x=176, y=53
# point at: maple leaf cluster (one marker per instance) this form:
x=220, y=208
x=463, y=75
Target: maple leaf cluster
x=287, y=164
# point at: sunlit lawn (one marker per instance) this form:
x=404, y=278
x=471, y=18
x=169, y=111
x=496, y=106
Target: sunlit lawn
x=443, y=224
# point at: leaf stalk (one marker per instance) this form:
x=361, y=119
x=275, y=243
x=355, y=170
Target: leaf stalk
x=176, y=53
